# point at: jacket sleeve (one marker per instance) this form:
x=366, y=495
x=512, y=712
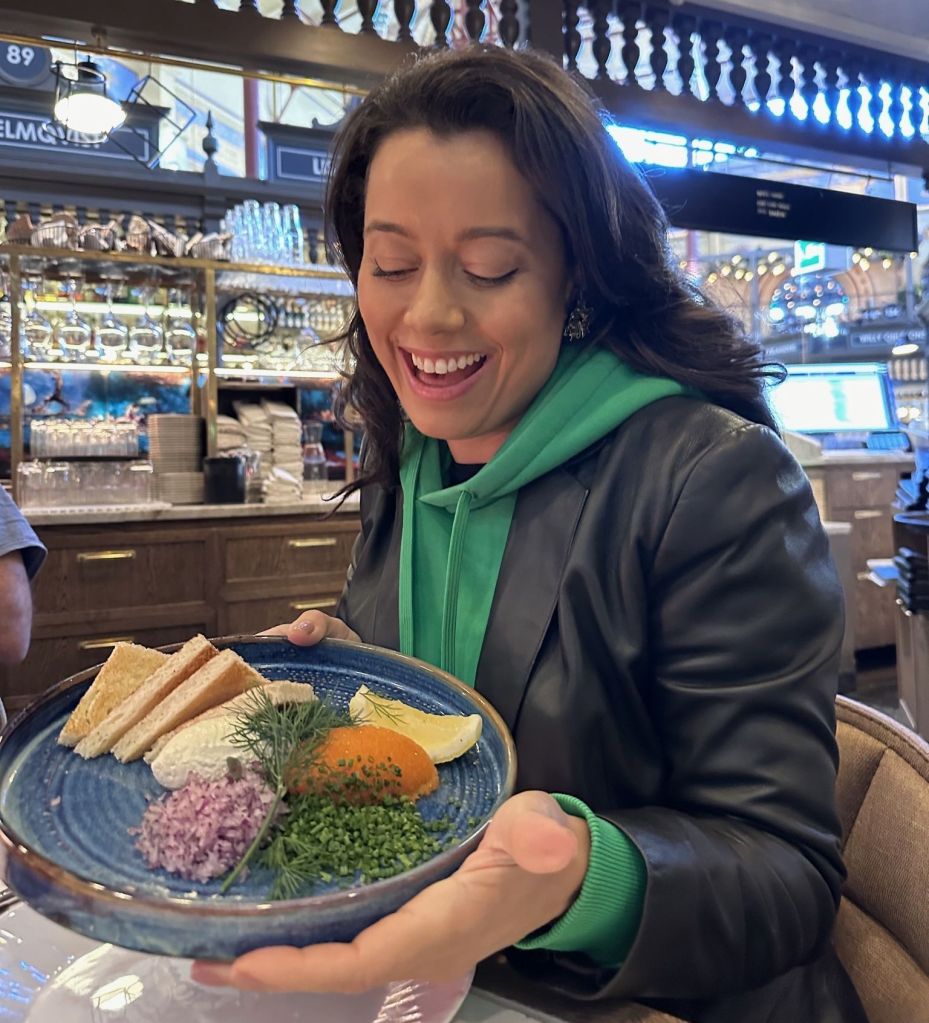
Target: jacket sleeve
x=742, y=855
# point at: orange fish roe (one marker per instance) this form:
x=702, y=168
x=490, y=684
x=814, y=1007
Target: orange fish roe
x=365, y=764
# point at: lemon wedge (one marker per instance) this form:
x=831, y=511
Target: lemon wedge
x=444, y=737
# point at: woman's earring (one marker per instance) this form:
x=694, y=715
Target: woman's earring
x=579, y=321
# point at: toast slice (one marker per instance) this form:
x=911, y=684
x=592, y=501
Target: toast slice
x=220, y=679
x=127, y=667
x=280, y=691
x=163, y=681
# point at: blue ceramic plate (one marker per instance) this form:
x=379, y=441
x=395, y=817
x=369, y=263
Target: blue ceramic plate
x=65, y=822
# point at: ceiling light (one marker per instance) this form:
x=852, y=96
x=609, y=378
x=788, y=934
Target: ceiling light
x=81, y=101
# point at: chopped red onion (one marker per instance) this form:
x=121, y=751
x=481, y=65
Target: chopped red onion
x=202, y=830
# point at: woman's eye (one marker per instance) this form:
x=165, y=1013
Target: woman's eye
x=492, y=281
x=379, y=271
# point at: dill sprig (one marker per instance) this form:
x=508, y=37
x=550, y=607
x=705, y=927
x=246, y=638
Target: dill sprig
x=381, y=708
x=283, y=739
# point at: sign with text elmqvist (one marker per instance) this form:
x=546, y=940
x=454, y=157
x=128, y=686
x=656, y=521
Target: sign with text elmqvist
x=27, y=131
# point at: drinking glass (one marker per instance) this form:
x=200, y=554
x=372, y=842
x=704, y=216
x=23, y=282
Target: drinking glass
x=252, y=229
x=314, y=454
x=37, y=329
x=73, y=333
x=274, y=241
x=293, y=235
x=180, y=335
x=112, y=333
x=146, y=337
x=6, y=328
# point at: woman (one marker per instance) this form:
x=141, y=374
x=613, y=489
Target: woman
x=573, y=498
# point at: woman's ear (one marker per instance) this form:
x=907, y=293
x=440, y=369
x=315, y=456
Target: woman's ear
x=572, y=289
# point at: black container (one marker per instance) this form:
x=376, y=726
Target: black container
x=224, y=480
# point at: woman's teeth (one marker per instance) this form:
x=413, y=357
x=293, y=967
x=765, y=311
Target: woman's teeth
x=442, y=366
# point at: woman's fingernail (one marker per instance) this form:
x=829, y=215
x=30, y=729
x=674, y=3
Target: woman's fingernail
x=212, y=974
x=305, y=626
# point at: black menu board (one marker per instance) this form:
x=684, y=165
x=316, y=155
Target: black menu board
x=725, y=203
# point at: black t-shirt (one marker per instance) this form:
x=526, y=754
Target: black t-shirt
x=460, y=472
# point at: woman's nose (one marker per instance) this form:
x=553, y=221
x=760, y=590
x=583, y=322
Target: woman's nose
x=433, y=307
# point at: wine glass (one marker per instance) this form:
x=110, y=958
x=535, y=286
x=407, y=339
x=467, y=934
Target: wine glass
x=73, y=333
x=112, y=333
x=180, y=335
x=37, y=329
x=146, y=337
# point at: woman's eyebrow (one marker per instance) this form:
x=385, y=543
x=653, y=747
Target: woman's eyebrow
x=506, y=233
x=386, y=227
x=471, y=234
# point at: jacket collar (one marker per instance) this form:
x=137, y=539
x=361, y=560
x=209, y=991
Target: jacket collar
x=542, y=533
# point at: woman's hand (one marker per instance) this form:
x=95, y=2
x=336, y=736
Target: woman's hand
x=526, y=873
x=311, y=627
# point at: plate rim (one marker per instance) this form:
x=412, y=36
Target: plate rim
x=12, y=846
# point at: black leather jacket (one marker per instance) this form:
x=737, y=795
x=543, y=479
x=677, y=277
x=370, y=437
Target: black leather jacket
x=663, y=644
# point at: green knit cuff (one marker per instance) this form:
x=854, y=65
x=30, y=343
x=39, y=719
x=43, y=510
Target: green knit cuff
x=604, y=919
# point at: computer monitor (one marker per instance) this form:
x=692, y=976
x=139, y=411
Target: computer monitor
x=835, y=398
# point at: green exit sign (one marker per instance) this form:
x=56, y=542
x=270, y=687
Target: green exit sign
x=809, y=257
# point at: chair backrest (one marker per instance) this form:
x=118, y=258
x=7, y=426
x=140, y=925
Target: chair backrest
x=882, y=934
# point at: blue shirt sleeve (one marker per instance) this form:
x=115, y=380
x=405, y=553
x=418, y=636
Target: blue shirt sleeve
x=17, y=535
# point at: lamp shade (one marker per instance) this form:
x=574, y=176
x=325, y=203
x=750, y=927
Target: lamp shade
x=81, y=101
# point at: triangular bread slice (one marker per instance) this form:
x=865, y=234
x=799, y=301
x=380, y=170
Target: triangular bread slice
x=279, y=691
x=127, y=667
x=223, y=677
x=164, y=680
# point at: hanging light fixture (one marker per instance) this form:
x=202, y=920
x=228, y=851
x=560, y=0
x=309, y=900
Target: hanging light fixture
x=82, y=104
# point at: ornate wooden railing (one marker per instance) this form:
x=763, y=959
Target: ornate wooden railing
x=653, y=63
x=747, y=80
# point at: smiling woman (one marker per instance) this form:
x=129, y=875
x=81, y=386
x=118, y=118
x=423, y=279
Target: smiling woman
x=573, y=499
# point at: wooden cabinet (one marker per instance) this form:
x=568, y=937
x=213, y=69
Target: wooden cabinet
x=248, y=616
x=159, y=583
x=862, y=494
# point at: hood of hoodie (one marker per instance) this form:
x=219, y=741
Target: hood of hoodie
x=453, y=538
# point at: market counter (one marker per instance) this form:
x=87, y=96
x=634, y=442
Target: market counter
x=158, y=575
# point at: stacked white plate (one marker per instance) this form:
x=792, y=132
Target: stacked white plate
x=180, y=487
x=174, y=443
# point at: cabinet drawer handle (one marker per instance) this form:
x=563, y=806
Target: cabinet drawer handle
x=875, y=514
x=102, y=644
x=313, y=541
x=861, y=477
x=313, y=605
x=106, y=555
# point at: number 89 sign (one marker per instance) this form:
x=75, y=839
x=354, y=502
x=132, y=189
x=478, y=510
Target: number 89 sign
x=21, y=64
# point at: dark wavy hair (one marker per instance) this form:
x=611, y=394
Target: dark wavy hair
x=614, y=230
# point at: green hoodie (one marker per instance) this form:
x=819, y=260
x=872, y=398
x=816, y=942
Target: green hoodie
x=451, y=548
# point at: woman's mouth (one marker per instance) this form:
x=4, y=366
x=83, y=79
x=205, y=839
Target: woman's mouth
x=445, y=376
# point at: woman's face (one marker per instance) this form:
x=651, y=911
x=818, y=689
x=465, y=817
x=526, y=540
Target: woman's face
x=463, y=286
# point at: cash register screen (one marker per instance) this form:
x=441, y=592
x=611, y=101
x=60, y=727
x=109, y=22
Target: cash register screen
x=834, y=398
